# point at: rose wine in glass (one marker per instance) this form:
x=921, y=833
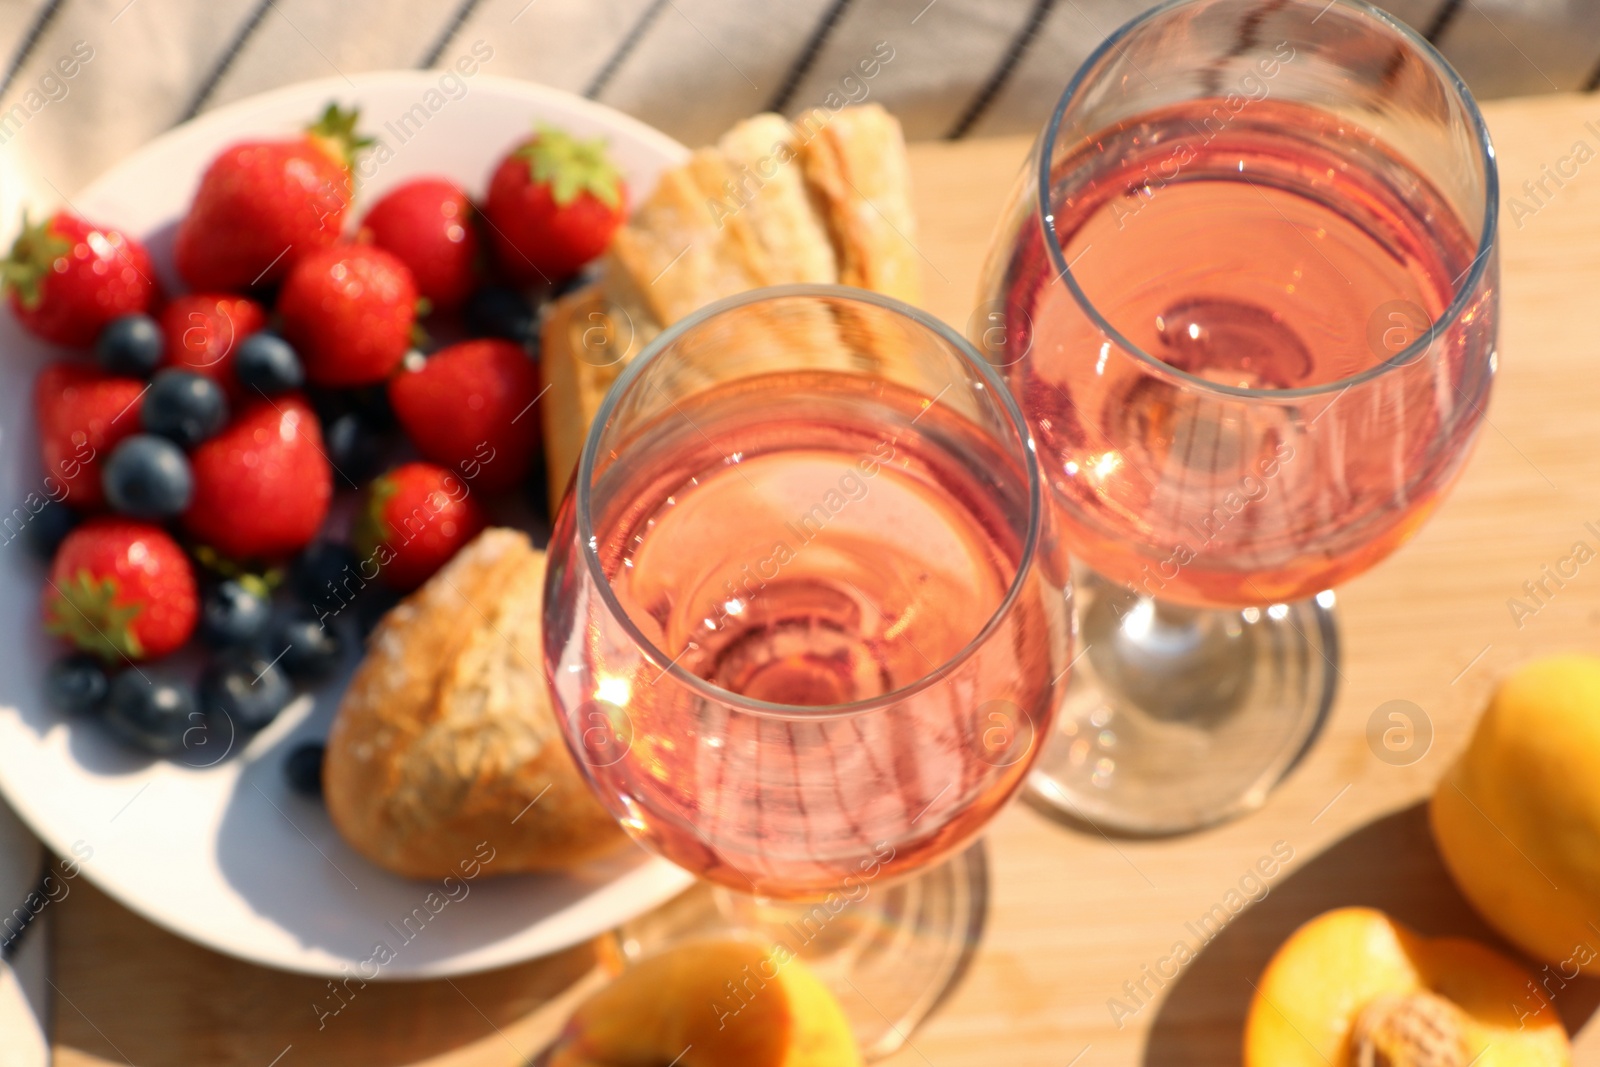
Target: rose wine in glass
x=848, y=552
x=1348, y=260
x=804, y=622
x=1246, y=296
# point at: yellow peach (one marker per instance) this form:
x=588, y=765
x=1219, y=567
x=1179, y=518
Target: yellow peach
x=1354, y=988
x=1517, y=819
x=711, y=1004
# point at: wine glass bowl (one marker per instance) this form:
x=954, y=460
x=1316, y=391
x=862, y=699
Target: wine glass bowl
x=1247, y=290
x=803, y=623
x=1290, y=410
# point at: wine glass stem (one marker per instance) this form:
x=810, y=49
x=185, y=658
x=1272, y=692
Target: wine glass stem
x=1179, y=717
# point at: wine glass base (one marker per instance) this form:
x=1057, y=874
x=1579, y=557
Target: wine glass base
x=890, y=955
x=1179, y=718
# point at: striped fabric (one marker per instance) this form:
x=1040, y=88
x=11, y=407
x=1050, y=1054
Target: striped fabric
x=88, y=81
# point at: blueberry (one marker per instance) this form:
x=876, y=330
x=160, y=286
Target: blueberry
x=150, y=714
x=495, y=311
x=76, y=684
x=245, y=688
x=311, y=651
x=326, y=576
x=235, y=614
x=184, y=406
x=49, y=528
x=302, y=768
x=356, y=451
x=130, y=345
x=147, y=477
x=268, y=363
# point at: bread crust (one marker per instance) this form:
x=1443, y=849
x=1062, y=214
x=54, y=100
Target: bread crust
x=584, y=337
x=825, y=199
x=445, y=737
x=857, y=165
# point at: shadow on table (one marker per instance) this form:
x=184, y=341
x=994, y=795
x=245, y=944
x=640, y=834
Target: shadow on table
x=1390, y=864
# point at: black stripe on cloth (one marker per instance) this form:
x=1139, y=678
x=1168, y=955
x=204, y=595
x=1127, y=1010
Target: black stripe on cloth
x=464, y=11
x=229, y=54
x=1442, y=20
x=41, y=22
x=1001, y=74
x=625, y=47
x=808, y=55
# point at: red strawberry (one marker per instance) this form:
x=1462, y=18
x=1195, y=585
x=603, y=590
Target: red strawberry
x=428, y=224
x=83, y=413
x=261, y=486
x=348, y=311
x=262, y=205
x=553, y=205
x=202, y=331
x=415, y=518
x=471, y=407
x=67, y=278
x=120, y=588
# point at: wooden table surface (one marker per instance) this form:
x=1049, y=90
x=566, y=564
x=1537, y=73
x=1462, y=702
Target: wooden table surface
x=1076, y=916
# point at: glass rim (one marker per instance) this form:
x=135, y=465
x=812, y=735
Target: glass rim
x=964, y=351
x=1469, y=280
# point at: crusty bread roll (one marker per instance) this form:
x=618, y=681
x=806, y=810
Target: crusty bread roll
x=445, y=737
x=824, y=199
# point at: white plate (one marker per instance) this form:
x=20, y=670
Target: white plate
x=226, y=855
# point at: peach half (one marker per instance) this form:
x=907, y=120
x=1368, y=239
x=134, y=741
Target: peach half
x=1354, y=988
x=710, y=1004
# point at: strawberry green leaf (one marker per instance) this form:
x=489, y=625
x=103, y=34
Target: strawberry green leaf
x=371, y=528
x=85, y=611
x=335, y=133
x=215, y=562
x=33, y=254
x=571, y=166
x=259, y=581
x=420, y=340
x=262, y=584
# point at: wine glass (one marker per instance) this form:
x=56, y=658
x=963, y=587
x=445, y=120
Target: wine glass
x=803, y=623
x=1245, y=292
